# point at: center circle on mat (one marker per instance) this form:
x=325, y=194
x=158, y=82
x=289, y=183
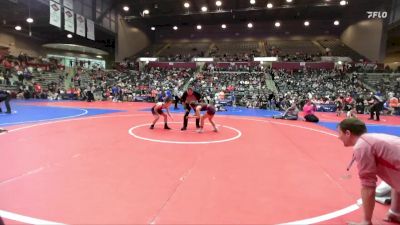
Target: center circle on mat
x=132, y=133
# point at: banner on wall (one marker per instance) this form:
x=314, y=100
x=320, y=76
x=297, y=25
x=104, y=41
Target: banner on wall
x=326, y=107
x=80, y=25
x=336, y=59
x=90, y=29
x=55, y=14
x=69, y=4
x=69, y=22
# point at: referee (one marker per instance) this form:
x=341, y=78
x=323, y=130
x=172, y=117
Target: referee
x=188, y=97
x=6, y=97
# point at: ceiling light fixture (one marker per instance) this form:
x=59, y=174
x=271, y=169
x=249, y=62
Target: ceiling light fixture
x=126, y=8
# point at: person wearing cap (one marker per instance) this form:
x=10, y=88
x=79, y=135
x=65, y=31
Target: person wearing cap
x=377, y=155
x=188, y=97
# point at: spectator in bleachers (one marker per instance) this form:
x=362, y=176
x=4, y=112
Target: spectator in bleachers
x=2, y=79
x=38, y=90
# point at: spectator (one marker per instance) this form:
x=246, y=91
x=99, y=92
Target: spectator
x=290, y=114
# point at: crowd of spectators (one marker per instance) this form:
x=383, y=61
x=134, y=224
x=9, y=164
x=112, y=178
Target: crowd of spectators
x=24, y=75
x=234, y=67
x=243, y=88
x=237, y=57
x=327, y=88
x=240, y=84
x=387, y=83
x=316, y=83
x=130, y=85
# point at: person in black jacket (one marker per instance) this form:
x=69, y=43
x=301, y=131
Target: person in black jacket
x=376, y=107
x=188, y=97
x=6, y=97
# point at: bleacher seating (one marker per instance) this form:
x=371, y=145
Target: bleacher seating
x=337, y=48
x=189, y=48
x=47, y=78
x=13, y=88
x=288, y=50
x=382, y=82
x=293, y=47
x=151, y=50
x=232, y=48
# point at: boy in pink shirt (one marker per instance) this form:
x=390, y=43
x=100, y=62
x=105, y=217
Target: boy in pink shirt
x=376, y=155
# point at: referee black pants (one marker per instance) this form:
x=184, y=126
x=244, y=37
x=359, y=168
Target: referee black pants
x=6, y=100
x=185, y=119
x=176, y=102
x=90, y=96
x=376, y=109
